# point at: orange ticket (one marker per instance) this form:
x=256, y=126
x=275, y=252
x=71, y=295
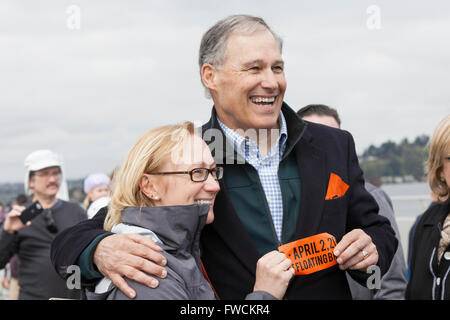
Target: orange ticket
x=311, y=254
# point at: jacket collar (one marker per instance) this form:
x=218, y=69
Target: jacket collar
x=435, y=220
x=441, y=210
x=223, y=151
x=177, y=226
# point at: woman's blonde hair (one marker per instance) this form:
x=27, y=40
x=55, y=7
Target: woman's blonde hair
x=439, y=148
x=148, y=153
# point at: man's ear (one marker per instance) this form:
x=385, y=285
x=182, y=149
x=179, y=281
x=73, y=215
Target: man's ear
x=31, y=182
x=208, y=73
x=149, y=187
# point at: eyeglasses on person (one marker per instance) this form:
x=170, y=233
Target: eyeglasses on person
x=48, y=174
x=196, y=174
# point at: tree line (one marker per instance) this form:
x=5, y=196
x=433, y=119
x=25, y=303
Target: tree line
x=390, y=159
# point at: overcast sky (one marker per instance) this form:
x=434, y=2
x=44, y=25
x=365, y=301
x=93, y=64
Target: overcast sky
x=90, y=92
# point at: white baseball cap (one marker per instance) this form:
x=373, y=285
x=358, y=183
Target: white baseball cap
x=41, y=159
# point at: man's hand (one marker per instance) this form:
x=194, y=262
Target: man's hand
x=356, y=251
x=12, y=222
x=132, y=256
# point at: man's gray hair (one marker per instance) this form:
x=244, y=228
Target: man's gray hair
x=214, y=41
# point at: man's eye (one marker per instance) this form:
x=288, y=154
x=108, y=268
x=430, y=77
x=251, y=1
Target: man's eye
x=278, y=68
x=254, y=69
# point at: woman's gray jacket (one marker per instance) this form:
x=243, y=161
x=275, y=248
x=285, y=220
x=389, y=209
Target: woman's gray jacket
x=176, y=229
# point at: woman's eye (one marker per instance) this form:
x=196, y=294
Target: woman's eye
x=198, y=173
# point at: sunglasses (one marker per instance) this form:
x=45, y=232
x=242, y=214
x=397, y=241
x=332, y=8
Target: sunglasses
x=49, y=221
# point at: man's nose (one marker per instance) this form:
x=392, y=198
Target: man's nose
x=53, y=177
x=269, y=80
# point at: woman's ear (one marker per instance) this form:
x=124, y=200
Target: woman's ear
x=149, y=187
x=208, y=73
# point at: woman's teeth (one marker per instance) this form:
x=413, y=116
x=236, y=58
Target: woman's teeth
x=203, y=201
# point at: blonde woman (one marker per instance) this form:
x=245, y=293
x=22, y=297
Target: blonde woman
x=96, y=186
x=97, y=189
x=430, y=259
x=165, y=190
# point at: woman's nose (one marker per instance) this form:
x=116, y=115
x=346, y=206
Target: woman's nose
x=211, y=184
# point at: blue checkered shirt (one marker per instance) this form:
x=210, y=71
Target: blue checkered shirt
x=266, y=167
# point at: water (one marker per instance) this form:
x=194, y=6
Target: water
x=409, y=200
x=401, y=189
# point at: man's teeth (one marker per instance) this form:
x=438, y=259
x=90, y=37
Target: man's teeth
x=264, y=100
x=203, y=201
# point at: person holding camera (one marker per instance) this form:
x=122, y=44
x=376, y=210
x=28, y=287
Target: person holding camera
x=29, y=230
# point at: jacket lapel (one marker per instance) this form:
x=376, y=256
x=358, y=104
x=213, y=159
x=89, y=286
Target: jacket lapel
x=312, y=165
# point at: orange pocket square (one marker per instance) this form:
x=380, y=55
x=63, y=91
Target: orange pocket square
x=336, y=187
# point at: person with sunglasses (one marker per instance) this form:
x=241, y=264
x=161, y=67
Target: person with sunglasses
x=165, y=190
x=31, y=241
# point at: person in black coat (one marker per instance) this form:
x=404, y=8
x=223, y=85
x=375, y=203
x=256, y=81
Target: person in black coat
x=430, y=258
x=293, y=181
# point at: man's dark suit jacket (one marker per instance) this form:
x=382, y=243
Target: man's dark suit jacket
x=228, y=253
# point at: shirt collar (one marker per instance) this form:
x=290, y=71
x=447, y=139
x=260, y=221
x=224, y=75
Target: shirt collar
x=240, y=141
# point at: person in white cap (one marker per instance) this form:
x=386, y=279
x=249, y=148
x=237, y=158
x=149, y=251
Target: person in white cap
x=45, y=159
x=32, y=240
x=97, y=189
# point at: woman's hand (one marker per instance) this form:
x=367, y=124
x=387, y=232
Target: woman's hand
x=356, y=251
x=273, y=273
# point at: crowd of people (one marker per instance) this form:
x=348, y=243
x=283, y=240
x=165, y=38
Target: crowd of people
x=201, y=213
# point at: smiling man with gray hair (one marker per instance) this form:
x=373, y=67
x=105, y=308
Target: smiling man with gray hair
x=302, y=181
